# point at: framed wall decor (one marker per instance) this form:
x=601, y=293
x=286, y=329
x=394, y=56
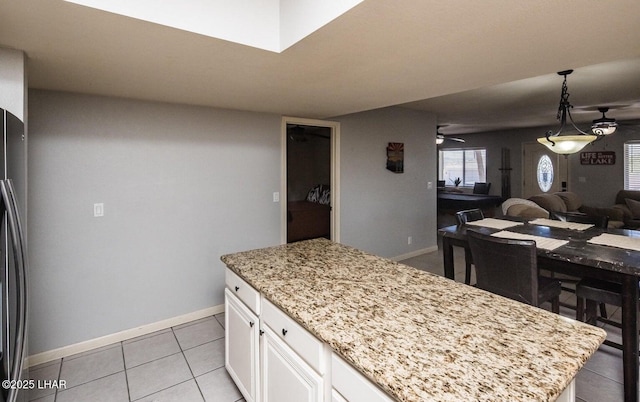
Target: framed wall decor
x=395, y=157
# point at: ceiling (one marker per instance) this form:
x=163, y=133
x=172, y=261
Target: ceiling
x=478, y=65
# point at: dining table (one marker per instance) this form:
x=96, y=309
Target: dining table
x=580, y=251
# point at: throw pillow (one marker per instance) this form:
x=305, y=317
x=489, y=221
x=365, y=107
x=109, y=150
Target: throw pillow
x=634, y=207
x=571, y=200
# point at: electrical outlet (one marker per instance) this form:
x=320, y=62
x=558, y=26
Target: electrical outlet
x=429, y=185
x=409, y=240
x=276, y=197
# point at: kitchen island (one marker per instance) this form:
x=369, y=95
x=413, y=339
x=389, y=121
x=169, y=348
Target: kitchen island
x=416, y=335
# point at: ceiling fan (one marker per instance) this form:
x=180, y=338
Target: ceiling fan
x=604, y=125
x=440, y=138
x=605, y=121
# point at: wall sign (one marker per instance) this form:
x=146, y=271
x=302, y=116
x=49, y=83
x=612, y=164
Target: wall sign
x=598, y=158
x=395, y=157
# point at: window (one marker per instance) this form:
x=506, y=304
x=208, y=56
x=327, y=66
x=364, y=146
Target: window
x=632, y=165
x=545, y=173
x=467, y=164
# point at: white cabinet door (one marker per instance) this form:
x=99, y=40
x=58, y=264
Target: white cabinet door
x=285, y=376
x=352, y=385
x=336, y=397
x=242, y=347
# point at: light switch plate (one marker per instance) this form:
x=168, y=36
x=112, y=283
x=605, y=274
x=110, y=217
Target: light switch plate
x=98, y=209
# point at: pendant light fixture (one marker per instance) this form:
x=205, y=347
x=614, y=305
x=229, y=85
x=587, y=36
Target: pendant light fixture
x=566, y=144
x=604, y=125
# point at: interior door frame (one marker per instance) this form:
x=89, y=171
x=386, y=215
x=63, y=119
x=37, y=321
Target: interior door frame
x=334, y=126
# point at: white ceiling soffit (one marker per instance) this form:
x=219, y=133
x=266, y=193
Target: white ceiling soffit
x=272, y=25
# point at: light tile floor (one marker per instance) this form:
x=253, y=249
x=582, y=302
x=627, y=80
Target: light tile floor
x=181, y=364
x=186, y=363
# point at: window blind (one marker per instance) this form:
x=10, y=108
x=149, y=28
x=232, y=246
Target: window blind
x=632, y=165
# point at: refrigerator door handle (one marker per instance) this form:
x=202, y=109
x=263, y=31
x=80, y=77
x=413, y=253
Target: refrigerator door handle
x=16, y=237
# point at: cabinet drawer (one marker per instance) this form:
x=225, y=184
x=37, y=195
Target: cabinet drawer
x=243, y=291
x=307, y=346
x=353, y=385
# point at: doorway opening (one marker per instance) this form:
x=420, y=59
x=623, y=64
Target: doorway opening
x=310, y=187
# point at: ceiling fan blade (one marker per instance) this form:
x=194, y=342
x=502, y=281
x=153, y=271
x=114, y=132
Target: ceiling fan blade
x=454, y=139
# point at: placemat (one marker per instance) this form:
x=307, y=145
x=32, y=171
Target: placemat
x=626, y=242
x=541, y=242
x=561, y=224
x=494, y=223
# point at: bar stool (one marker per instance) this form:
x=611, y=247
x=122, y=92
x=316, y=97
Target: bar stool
x=594, y=292
x=599, y=222
x=468, y=215
x=509, y=268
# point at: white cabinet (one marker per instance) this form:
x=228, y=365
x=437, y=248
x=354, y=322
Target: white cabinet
x=285, y=376
x=351, y=385
x=305, y=345
x=269, y=367
x=242, y=347
x=336, y=397
x=272, y=358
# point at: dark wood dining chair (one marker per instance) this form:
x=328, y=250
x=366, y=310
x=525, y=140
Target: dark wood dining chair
x=468, y=215
x=509, y=268
x=598, y=221
x=481, y=188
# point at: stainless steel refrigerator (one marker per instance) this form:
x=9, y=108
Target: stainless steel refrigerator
x=13, y=254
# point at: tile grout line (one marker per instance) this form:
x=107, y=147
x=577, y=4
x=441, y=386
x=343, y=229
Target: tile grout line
x=126, y=374
x=193, y=377
x=55, y=394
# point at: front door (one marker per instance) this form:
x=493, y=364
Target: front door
x=543, y=170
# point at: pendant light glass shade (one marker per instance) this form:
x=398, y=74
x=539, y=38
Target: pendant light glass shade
x=567, y=144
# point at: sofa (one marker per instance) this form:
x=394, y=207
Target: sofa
x=628, y=204
x=567, y=201
x=541, y=205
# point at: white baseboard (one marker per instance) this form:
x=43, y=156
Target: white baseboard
x=415, y=253
x=65, y=351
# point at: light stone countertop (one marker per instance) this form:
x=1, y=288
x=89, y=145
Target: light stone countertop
x=419, y=336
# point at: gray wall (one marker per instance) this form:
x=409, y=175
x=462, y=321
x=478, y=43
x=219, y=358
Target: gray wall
x=183, y=185
x=597, y=185
x=380, y=209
